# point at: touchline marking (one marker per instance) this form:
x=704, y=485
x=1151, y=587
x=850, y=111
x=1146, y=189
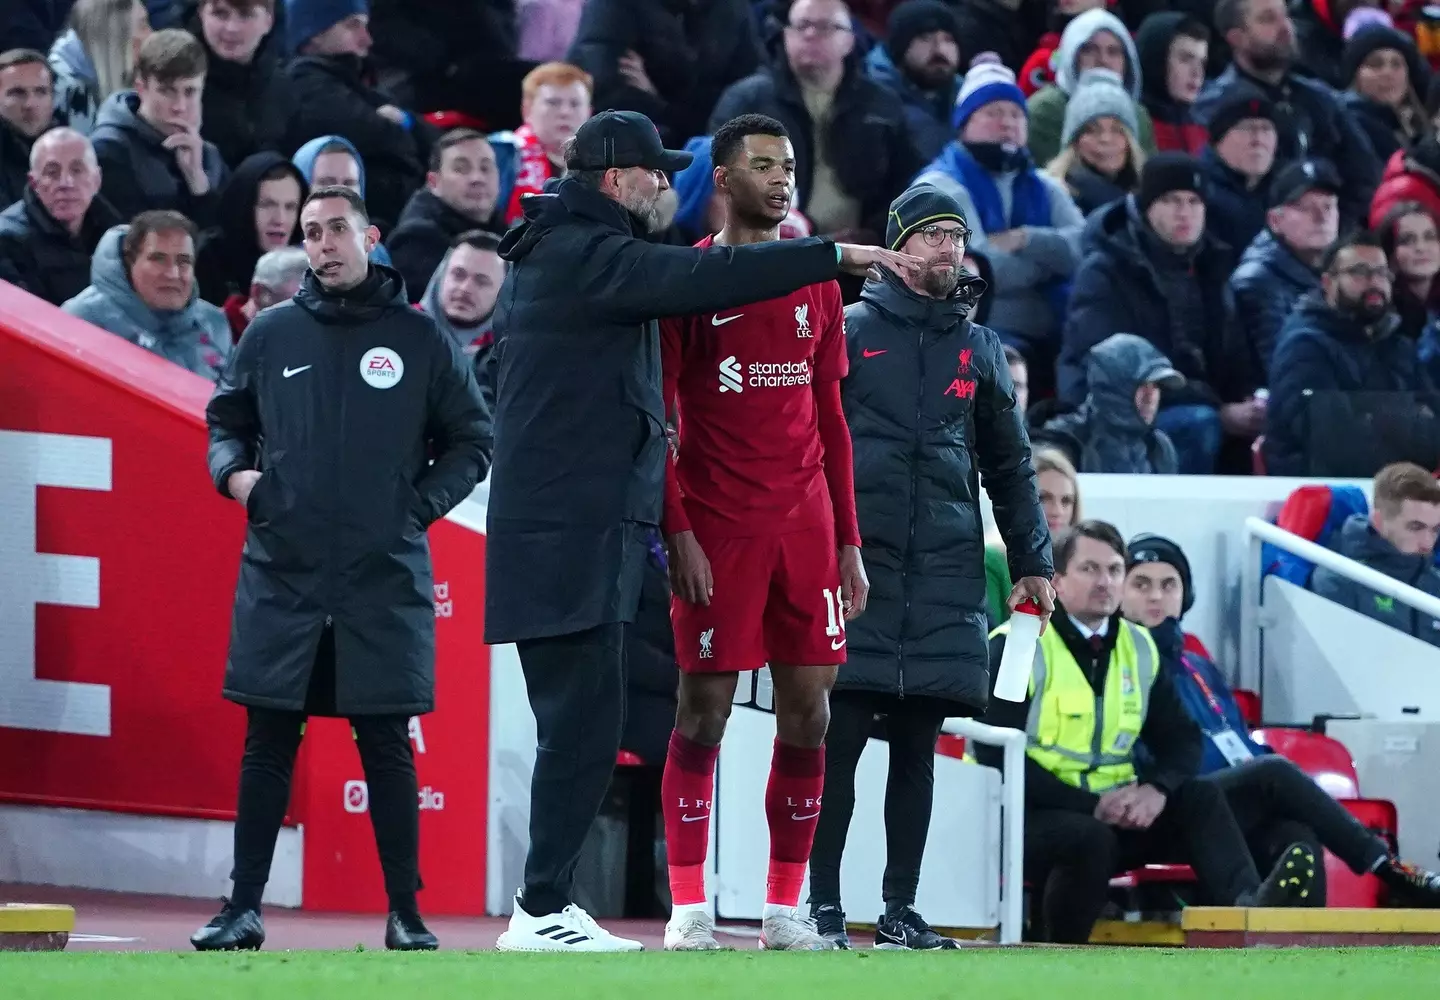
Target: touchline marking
x=101, y=939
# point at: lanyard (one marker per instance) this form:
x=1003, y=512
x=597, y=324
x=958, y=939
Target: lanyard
x=1205, y=689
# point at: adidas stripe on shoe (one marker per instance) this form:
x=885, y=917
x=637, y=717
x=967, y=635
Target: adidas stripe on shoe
x=572, y=930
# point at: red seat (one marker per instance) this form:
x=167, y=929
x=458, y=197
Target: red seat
x=446, y=120
x=950, y=746
x=627, y=759
x=1151, y=875
x=1323, y=758
x=1249, y=704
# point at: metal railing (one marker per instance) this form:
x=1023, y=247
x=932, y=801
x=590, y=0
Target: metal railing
x=1257, y=532
x=1012, y=818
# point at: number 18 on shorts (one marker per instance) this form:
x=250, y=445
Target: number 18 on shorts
x=776, y=600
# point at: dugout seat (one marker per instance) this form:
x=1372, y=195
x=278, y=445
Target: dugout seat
x=1249, y=704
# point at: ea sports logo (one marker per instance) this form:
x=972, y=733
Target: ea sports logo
x=381, y=368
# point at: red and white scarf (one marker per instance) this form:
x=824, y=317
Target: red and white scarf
x=532, y=170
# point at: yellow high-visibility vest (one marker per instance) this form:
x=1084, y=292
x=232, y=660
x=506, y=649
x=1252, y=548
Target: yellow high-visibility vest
x=1064, y=737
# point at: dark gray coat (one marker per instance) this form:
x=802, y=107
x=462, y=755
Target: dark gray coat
x=1107, y=434
x=579, y=419
x=337, y=520
x=930, y=407
x=137, y=172
x=1361, y=542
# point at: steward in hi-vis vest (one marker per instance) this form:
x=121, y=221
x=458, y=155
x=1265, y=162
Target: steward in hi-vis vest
x=1092, y=808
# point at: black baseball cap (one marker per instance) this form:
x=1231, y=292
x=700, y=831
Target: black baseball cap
x=623, y=139
x=1303, y=176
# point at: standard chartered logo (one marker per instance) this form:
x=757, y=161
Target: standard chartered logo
x=730, y=375
x=762, y=374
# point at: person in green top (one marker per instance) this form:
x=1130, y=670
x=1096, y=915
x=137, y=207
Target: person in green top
x=1059, y=495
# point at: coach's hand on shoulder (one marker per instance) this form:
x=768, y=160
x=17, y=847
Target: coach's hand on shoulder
x=690, y=578
x=241, y=483
x=854, y=584
x=868, y=261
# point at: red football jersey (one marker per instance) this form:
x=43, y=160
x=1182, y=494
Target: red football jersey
x=751, y=460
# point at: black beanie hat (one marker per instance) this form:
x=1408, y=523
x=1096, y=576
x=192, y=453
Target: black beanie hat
x=1371, y=39
x=914, y=18
x=1236, y=105
x=1166, y=172
x=1157, y=549
x=916, y=208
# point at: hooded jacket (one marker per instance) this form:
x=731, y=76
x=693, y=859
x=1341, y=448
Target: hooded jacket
x=1318, y=125
x=336, y=523
x=1346, y=400
x=138, y=174
x=1047, y=105
x=77, y=88
x=927, y=112
x=332, y=97
x=225, y=262
x=1410, y=175
x=39, y=255
x=868, y=142
x=579, y=473
x=1176, y=127
x=422, y=238
x=931, y=409
x=196, y=338
x=304, y=160
x=1130, y=281
x=1360, y=541
x=472, y=340
x=1266, y=286
x=1107, y=433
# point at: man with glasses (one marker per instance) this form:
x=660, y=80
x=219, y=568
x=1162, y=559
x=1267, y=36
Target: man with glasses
x=853, y=149
x=1348, y=394
x=930, y=402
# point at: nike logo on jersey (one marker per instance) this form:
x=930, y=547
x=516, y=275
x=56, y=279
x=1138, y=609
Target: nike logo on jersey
x=873, y=354
x=296, y=371
x=717, y=321
x=798, y=818
x=835, y=644
x=694, y=819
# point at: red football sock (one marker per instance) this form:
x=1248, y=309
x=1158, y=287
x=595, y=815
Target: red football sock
x=687, y=790
x=792, y=807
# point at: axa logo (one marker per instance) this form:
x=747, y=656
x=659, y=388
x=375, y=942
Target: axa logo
x=730, y=377
x=802, y=321
x=961, y=388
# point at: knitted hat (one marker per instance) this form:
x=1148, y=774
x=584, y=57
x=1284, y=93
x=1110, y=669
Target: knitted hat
x=914, y=18
x=304, y=19
x=1156, y=549
x=1237, y=104
x=1099, y=94
x=1167, y=172
x=917, y=207
x=984, y=84
x=1371, y=39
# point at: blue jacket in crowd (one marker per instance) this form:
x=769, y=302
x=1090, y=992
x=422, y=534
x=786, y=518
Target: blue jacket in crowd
x=1266, y=286
x=927, y=112
x=1360, y=541
x=1234, y=211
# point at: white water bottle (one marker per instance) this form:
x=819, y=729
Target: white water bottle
x=1013, y=682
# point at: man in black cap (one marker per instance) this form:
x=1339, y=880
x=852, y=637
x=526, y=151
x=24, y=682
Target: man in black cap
x=1154, y=271
x=930, y=403
x=579, y=467
x=1283, y=263
x=920, y=62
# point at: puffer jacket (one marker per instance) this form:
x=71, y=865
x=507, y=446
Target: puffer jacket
x=1234, y=209
x=1360, y=541
x=1266, y=286
x=1107, y=433
x=927, y=112
x=196, y=338
x=138, y=174
x=931, y=407
x=1410, y=175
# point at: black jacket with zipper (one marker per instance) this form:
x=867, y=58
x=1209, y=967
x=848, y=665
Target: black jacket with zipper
x=931, y=406
x=337, y=520
x=579, y=419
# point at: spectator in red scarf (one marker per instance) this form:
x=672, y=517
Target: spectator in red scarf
x=555, y=100
x=276, y=279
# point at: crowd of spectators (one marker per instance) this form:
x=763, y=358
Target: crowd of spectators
x=1248, y=187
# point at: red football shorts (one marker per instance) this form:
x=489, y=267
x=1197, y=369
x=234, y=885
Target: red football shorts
x=776, y=600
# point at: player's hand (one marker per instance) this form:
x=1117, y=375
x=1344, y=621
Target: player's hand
x=854, y=584
x=241, y=483
x=690, y=578
x=1038, y=588
x=870, y=261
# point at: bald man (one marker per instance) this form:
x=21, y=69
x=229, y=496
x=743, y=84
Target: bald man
x=47, y=237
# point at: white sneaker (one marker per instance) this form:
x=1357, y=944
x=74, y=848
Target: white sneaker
x=788, y=931
x=691, y=930
x=572, y=929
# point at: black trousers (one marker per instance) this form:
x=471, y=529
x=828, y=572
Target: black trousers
x=272, y=739
x=576, y=685
x=1070, y=858
x=911, y=727
x=1277, y=804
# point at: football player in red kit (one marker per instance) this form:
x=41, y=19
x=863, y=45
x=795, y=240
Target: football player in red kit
x=763, y=540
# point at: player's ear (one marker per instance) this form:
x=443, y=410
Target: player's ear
x=721, y=179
